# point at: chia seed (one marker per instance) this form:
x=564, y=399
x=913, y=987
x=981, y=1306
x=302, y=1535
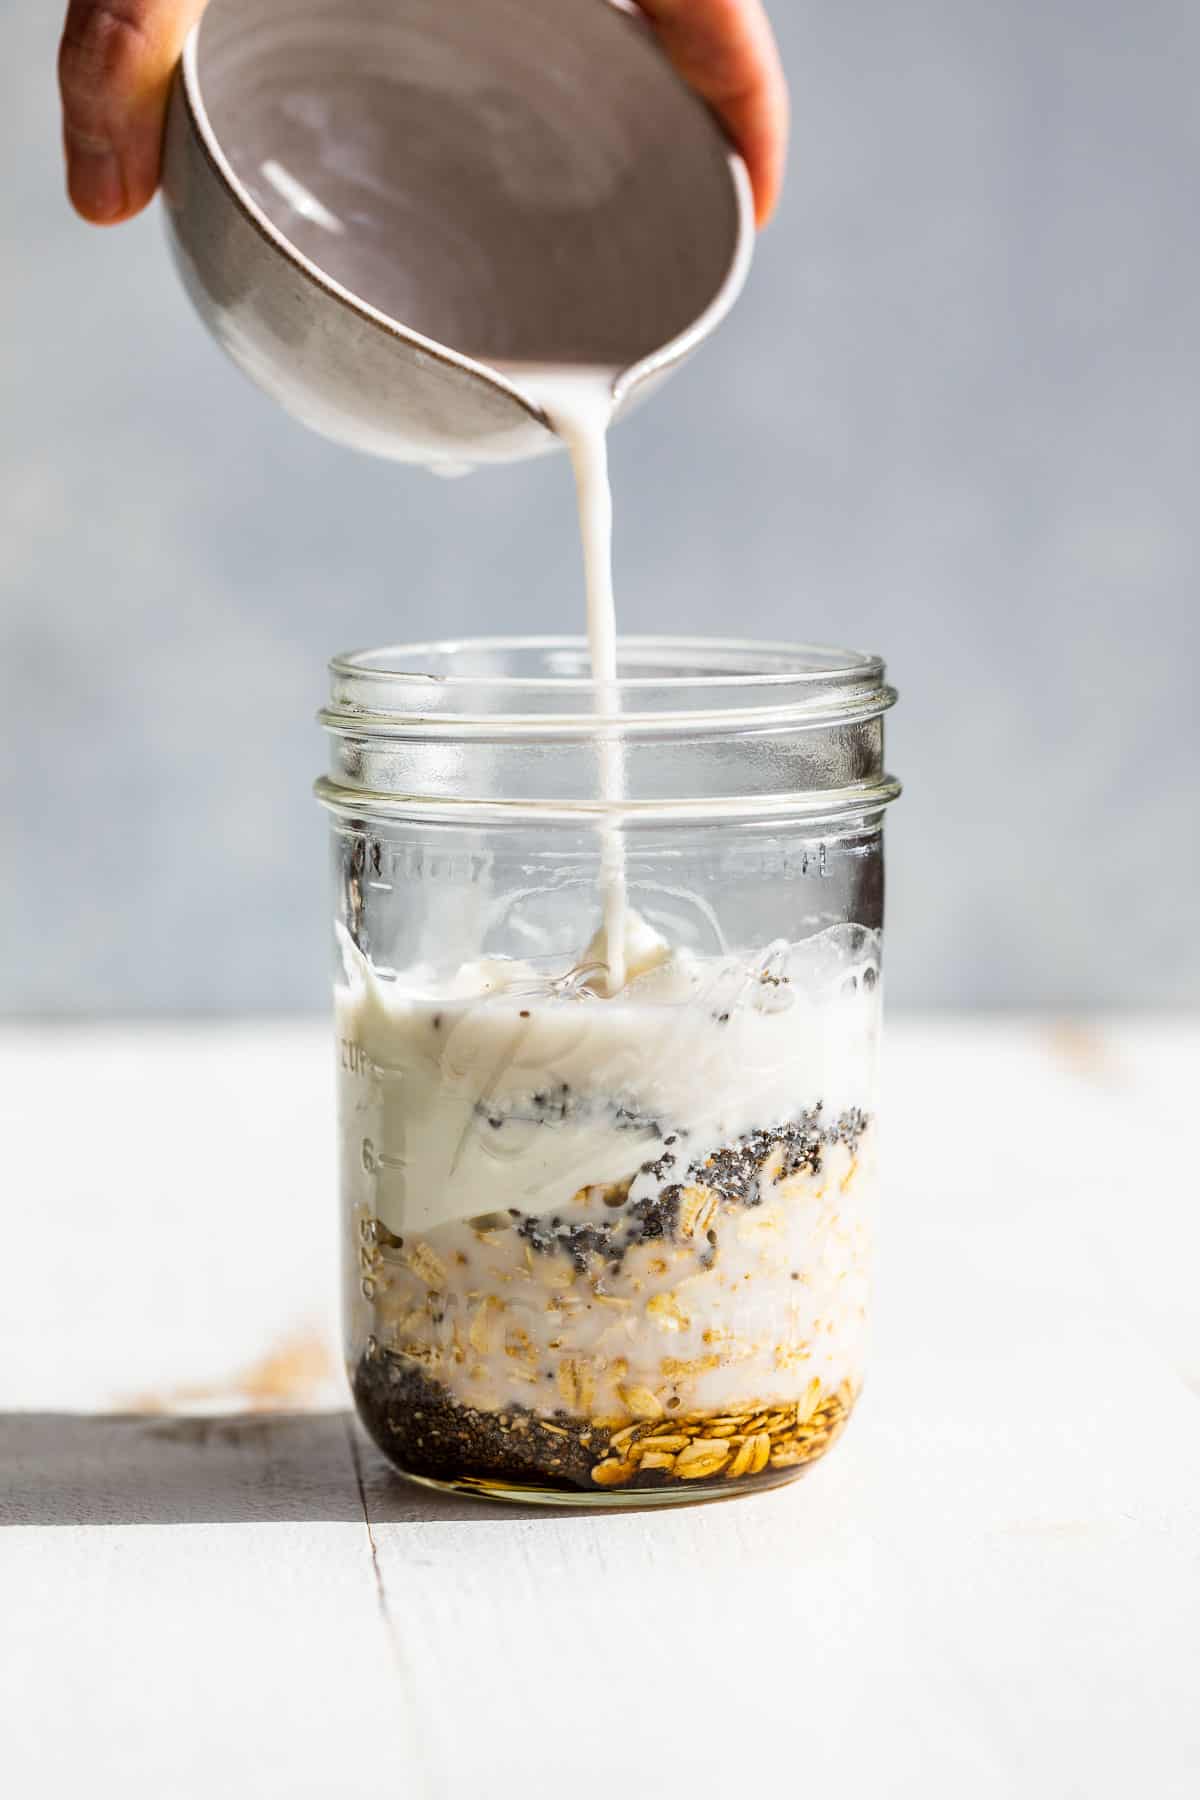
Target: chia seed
x=423, y=1430
x=733, y=1173
x=558, y=1105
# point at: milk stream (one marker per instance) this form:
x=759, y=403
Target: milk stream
x=578, y=401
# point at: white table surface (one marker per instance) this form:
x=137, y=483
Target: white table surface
x=992, y=1588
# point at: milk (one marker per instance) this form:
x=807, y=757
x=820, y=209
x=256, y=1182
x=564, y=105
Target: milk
x=450, y=1081
x=578, y=402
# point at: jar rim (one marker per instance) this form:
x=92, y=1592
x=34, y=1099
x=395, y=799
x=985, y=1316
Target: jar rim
x=508, y=728
x=543, y=681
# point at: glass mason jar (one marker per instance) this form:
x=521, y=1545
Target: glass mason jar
x=607, y=998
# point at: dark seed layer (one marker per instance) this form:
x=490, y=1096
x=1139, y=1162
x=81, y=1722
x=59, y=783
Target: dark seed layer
x=423, y=1431
x=731, y=1172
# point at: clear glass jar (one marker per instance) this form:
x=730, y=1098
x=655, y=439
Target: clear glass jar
x=610, y=1247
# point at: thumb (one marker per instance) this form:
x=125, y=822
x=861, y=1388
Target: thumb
x=114, y=74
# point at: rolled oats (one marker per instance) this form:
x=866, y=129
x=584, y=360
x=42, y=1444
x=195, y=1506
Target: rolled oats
x=697, y=1205
x=426, y=1265
x=667, y=1313
x=742, y=1460
x=703, y=1456
x=612, y=1473
x=762, y=1450
x=642, y=1403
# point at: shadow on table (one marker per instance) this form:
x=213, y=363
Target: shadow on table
x=237, y=1468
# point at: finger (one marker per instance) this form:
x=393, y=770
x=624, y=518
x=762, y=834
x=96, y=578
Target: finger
x=114, y=74
x=726, y=50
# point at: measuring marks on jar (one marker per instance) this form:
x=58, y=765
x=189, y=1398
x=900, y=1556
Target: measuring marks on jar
x=409, y=901
x=375, y=1240
x=364, y=869
x=373, y=1159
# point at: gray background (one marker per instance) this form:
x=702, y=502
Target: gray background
x=954, y=420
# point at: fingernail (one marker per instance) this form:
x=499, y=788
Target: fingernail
x=94, y=183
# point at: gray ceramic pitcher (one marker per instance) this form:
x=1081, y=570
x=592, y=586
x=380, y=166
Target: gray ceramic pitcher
x=384, y=208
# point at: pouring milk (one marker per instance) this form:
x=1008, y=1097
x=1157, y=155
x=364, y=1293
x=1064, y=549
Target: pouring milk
x=578, y=402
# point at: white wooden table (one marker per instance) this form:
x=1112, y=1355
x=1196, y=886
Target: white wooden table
x=991, y=1589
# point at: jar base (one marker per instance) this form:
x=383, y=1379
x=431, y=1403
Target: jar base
x=612, y=1500
x=429, y=1435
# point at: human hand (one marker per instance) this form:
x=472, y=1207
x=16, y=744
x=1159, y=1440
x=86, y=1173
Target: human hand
x=116, y=59
x=726, y=50
x=114, y=74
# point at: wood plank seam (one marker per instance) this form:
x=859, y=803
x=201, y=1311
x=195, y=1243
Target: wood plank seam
x=380, y=1589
